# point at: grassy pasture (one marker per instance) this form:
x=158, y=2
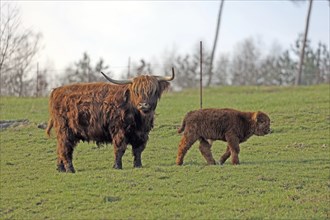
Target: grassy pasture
x=284, y=175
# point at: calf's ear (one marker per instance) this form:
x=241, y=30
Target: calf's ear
x=255, y=116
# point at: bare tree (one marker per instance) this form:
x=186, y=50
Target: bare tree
x=187, y=67
x=302, y=53
x=323, y=63
x=244, y=67
x=9, y=23
x=18, y=48
x=143, y=68
x=83, y=71
x=221, y=72
x=100, y=66
x=210, y=71
x=42, y=83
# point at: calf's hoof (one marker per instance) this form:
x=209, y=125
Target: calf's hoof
x=235, y=162
x=211, y=162
x=222, y=160
x=179, y=161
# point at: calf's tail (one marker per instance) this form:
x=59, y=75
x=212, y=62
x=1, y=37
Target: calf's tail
x=181, y=129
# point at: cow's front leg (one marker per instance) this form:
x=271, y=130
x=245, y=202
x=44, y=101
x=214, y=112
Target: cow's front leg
x=119, y=145
x=137, y=149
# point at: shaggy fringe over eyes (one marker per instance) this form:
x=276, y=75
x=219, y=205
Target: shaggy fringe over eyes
x=146, y=86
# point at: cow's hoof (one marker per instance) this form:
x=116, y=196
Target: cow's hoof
x=118, y=167
x=137, y=165
x=71, y=170
x=60, y=168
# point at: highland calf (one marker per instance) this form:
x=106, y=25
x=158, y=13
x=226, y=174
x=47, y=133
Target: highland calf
x=120, y=112
x=229, y=125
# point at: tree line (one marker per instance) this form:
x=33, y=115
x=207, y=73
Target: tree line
x=248, y=64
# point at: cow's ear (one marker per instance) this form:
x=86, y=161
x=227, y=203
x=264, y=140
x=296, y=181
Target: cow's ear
x=163, y=86
x=126, y=95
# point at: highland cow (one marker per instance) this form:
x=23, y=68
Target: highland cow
x=229, y=125
x=121, y=112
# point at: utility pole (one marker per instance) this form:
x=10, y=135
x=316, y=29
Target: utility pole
x=201, y=75
x=210, y=71
x=302, y=52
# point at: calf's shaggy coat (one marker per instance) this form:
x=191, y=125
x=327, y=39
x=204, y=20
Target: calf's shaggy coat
x=232, y=126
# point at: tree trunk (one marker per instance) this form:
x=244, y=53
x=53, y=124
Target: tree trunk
x=210, y=72
x=302, y=53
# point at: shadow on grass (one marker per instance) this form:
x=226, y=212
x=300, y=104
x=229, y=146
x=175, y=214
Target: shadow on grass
x=111, y=199
x=310, y=161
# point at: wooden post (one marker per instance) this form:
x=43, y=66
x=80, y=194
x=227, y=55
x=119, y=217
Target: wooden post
x=201, y=76
x=37, y=86
x=129, y=68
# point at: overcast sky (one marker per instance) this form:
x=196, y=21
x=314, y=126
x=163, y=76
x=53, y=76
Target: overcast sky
x=116, y=30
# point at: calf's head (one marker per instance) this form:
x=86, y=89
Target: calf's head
x=262, y=123
x=144, y=91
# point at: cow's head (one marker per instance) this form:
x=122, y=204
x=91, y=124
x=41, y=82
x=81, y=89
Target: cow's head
x=144, y=91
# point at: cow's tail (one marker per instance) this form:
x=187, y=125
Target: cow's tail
x=181, y=129
x=49, y=126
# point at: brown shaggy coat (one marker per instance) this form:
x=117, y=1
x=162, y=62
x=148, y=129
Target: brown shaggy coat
x=228, y=125
x=104, y=113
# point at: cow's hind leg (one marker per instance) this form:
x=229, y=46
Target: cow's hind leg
x=205, y=149
x=184, y=146
x=65, y=155
x=119, y=146
x=225, y=156
x=60, y=164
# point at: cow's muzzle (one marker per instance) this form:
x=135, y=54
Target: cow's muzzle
x=145, y=107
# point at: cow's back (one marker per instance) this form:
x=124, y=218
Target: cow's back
x=85, y=109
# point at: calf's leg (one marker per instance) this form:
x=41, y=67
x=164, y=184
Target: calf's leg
x=233, y=144
x=225, y=156
x=184, y=146
x=205, y=149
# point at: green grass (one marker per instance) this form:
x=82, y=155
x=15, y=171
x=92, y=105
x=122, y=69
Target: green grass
x=284, y=175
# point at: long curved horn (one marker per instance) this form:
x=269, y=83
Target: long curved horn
x=167, y=78
x=119, y=82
